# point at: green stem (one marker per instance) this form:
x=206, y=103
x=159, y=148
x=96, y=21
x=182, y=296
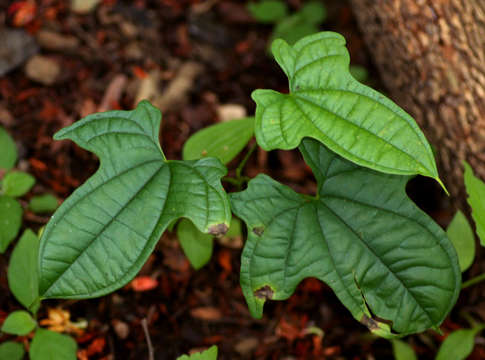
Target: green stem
x=231, y=180
x=473, y=323
x=473, y=281
x=241, y=165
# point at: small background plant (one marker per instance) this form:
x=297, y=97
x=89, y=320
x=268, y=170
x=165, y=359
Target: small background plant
x=22, y=271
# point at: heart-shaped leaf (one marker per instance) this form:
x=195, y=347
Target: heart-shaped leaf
x=386, y=260
x=326, y=103
x=102, y=234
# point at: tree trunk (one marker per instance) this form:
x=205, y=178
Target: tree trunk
x=431, y=56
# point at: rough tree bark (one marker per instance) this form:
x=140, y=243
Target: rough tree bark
x=431, y=56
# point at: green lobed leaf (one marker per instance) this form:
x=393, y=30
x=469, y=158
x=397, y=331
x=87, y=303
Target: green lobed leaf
x=402, y=350
x=268, y=11
x=10, y=220
x=17, y=183
x=103, y=233
x=22, y=274
x=461, y=235
x=8, y=150
x=459, y=344
x=361, y=234
x=223, y=141
x=209, y=354
x=476, y=199
x=19, y=323
x=197, y=246
x=49, y=345
x=326, y=103
x=10, y=350
x=43, y=203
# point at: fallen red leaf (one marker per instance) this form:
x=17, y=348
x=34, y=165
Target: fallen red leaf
x=208, y=313
x=224, y=260
x=96, y=347
x=25, y=94
x=139, y=72
x=22, y=12
x=82, y=355
x=143, y=283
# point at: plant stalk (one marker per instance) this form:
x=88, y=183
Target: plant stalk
x=241, y=165
x=473, y=281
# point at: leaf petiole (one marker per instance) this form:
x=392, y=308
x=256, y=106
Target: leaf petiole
x=243, y=162
x=473, y=281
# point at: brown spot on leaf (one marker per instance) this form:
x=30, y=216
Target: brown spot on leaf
x=258, y=230
x=375, y=322
x=218, y=230
x=264, y=293
x=370, y=323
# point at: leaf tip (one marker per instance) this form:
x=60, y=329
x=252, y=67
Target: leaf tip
x=60, y=135
x=147, y=104
x=256, y=304
x=442, y=186
x=437, y=329
x=277, y=44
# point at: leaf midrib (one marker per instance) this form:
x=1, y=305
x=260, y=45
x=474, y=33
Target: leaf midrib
x=370, y=250
x=379, y=139
x=105, y=226
x=363, y=242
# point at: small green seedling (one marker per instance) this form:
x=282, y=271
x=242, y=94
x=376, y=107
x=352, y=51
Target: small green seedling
x=461, y=235
x=9, y=150
x=15, y=184
x=387, y=261
x=290, y=28
x=402, y=350
x=223, y=141
x=23, y=282
x=209, y=354
x=22, y=271
x=458, y=345
x=460, y=232
x=476, y=199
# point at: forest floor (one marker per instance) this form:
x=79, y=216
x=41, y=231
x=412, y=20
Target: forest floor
x=211, y=55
